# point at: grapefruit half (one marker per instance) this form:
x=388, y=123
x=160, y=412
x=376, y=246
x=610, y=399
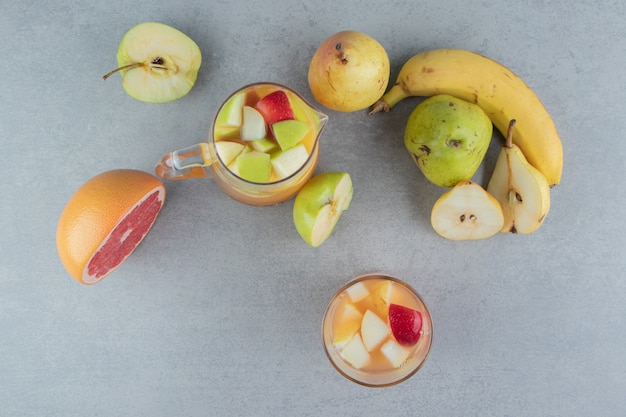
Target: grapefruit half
x=105, y=220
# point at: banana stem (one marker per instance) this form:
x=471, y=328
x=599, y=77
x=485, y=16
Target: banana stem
x=392, y=97
x=509, y=134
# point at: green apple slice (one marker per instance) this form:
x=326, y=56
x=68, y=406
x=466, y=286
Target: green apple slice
x=253, y=125
x=231, y=113
x=319, y=204
x=285, y=163
x=254, y=166
x=158, y=63
x=288, y=133
x=264, y=145
x=467, y=212
x=228, y=150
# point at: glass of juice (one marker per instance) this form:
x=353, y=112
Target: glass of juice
x=377, y=331
x=263, y=146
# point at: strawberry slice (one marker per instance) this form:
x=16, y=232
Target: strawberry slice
x=275, y=107
x=405, y=323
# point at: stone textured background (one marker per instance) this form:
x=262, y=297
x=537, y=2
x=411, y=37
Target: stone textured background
x=218, y=312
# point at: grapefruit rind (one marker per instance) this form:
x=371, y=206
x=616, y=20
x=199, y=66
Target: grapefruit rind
x=96, y=209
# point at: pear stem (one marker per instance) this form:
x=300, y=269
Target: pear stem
x=125, y=67
x=342, y=53
x=509, y=134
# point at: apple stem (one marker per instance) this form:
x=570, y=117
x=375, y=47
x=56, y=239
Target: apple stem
x=125, y=67
x=342, y=53
x=509, y=134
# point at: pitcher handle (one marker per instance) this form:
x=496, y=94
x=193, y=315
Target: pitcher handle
x=185, y=163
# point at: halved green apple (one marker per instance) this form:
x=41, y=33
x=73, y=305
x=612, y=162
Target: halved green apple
x=319, y=204
x=158, y=63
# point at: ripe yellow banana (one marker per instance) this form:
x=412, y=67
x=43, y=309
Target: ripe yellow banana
x=496, y=89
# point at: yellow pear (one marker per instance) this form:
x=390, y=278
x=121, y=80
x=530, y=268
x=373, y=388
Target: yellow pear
x=522, y=190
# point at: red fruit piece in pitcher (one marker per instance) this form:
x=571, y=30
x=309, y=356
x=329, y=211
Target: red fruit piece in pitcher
x=275, y=107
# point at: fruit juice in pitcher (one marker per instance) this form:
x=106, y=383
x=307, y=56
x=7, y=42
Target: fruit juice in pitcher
x=377, y=331
x=266, y=139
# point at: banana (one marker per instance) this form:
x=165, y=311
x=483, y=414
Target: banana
x=496, y=89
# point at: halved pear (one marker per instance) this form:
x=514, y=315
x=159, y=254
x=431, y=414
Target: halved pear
x=467, y=212
x=319, y=204
x=523, y=191
x=158, y=63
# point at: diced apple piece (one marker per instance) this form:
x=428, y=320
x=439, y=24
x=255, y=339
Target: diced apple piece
x=373, y=330
x=264, y=145
x=254, y=166
x=405, y=323
x=346, y=322
x=288, y=133
x=228, y=150
x=275, y=107
x=394, y=353
x=231, y=112
x=355, y=353
x=357, y=292
x=289, y=161
x=381, y=296
x=253, y=125
x=224, y=132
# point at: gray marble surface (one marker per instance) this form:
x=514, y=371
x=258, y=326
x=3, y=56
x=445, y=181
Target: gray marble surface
x=218, y=311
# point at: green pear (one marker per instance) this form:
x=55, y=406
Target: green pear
x=448, y=138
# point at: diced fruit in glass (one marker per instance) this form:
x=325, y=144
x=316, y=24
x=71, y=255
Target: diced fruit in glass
x=405, y=323
x=395, y=354
x=357, y=292
x=373, y=330
x=355, y=353
x=348, y=322
x=380, y=296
